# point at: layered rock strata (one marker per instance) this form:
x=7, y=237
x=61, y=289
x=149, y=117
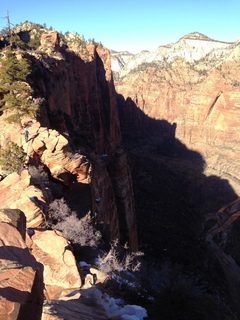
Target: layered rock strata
x=201, y=99
x=60, y=268
x=21, y=285
x=77, y=138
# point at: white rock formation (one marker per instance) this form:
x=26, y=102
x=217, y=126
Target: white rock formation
x=191, y=47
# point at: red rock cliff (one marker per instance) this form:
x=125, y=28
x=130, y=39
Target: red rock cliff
x=201, y=99
x=73, y=83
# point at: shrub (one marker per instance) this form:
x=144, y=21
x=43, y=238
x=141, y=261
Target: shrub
x=119, y=260
x=59, y=210
x=78, y=231
x=12, y=158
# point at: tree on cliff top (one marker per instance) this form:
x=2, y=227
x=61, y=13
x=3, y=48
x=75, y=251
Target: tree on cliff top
x=15, y=91
x=12, y=158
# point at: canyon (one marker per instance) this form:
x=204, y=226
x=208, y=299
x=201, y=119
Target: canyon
x=199, y=93
x=144, y=145
x=178, y=110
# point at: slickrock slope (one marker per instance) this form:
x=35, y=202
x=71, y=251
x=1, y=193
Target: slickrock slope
x=75, y=309
x=21, y=285
x=60, y=269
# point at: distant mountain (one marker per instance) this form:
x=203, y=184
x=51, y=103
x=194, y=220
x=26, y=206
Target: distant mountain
x=191, y=47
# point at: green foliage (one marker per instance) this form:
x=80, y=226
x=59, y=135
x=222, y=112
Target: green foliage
x=13, y=69
x=16, y=92
x=34, y=42
x=74, y=38
x=12, y=158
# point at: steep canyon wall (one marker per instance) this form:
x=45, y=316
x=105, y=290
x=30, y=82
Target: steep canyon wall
x=200, y=98
x=79, y=119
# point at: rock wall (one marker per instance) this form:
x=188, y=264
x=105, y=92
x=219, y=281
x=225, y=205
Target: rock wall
x=202, y=104
x=179, y=123
x=77, y=136
x=80, y=87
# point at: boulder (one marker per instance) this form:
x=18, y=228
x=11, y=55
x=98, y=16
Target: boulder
x=21, y=278
x=50, y=42
x=17, y=193
x=16, y=218
x=60, y=269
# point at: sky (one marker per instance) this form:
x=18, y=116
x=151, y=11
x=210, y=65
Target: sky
x=130, y=25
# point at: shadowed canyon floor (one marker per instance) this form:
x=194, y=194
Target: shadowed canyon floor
x=173, y=196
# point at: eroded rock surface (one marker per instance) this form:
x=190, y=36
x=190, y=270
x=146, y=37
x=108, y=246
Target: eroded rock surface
x=60, y=269
x=78, y=124
x=16, y=218
x=18, y=193
x=78, y=308
x=21, y=285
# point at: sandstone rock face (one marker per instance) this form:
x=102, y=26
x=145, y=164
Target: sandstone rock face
x=16, y=218
x=51, y=149
x=17, y=193
x=201, y=100
x=179, y=122
x=21, y=285
x=50, y=42
x=73, y=308
x=78, y=125
x=82, y=101
x=60, y=270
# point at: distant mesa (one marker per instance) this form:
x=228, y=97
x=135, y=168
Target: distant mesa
x=196, y=36
x=200, y=36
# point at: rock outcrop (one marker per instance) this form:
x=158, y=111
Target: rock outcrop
x=60, y=269
x=21, y=285
x=18, y=193
x=77, y=137
x=16, y=218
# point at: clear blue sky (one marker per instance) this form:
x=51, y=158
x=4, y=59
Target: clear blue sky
x=129, y=24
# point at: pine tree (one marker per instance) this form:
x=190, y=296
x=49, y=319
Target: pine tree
x=12, y=158
x=16, y=92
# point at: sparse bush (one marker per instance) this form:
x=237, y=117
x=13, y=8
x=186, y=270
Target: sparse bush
x=202, y=72
x=40, y=178
x=78, y=231
x=59, y=210
x=38, y=175
x=12, y=158
x=117, y=261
